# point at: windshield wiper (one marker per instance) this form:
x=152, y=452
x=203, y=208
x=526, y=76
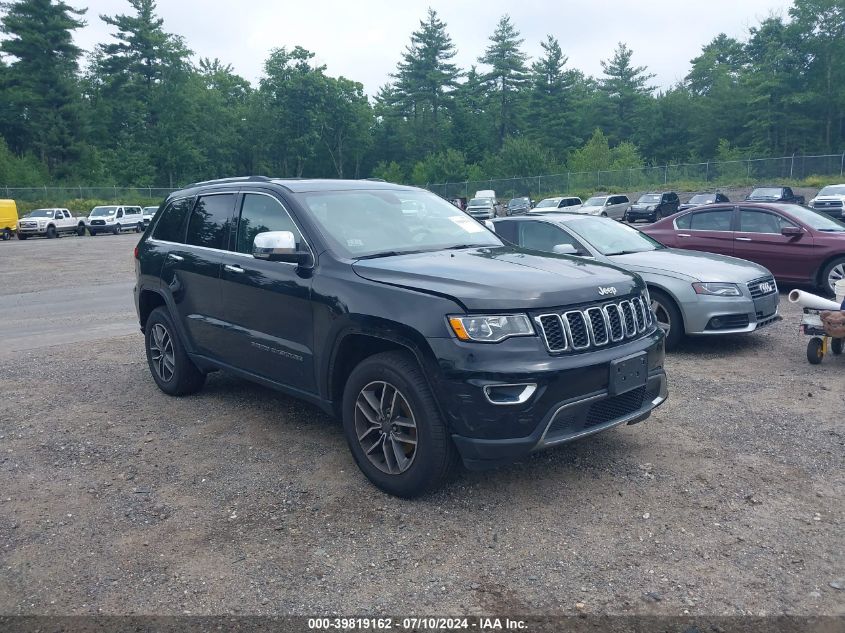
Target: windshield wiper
x=624, y=253
x=387, y=254
x=460, y=246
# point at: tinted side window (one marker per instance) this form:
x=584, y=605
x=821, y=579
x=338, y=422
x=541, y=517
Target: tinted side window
x=507, y=231
x=541, y=236
x=172, y=220
x=261, y=213
x=684, y=221
x=210, y=220
x=715, y=220
x=752, y=221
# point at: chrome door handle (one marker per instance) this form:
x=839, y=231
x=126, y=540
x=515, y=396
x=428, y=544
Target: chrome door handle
x=175, y=258
x=233, y=269
x=743, y=239
x=684, y=235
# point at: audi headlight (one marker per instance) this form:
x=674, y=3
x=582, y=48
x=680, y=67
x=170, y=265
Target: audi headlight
x=717, y=288
x=487, y=328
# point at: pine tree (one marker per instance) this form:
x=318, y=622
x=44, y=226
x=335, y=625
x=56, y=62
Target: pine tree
x=625, y=88
x=507, y=78
x=550, y=105
x=42, y=106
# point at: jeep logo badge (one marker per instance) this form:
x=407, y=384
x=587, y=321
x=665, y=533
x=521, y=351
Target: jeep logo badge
x=766, y=287
x=609, y=290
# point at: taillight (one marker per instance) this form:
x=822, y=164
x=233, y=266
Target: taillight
x=136, y=251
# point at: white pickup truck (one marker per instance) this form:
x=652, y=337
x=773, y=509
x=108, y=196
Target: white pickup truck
x=49, y=223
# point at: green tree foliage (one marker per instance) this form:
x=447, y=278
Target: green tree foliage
x=626, y=93
x=507, y=78
x=41, y=112
x=597, y=155
x=550, y=112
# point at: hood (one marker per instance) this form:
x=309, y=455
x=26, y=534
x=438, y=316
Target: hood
x=643, y=206
x=830, y=198
x=501, y=278
x=693, y=265
x=587, y=210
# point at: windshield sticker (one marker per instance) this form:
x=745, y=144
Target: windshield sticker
x=467, y=224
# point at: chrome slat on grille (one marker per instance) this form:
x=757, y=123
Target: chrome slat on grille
x=628, y=318
x=598, y=326
x=553, y=332
x=762, y=287
x=576, y=325
x=614, y=317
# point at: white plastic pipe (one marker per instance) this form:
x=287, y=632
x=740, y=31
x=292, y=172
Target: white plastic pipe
x=809, y=300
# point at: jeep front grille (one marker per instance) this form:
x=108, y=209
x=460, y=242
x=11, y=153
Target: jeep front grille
x=596, y=325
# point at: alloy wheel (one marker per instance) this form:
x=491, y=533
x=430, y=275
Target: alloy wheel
x=385, y=427
x=837, y=273
x=664, y=320
x=162, y=354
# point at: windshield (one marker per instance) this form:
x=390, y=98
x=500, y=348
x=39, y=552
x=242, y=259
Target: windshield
x=650, y=197
x=813, y=219
x=481, y=202
x=371, y=223
x=609, y=237
x=832, y=190
x=40, y=213
x=767, y=192
x=596, y=202
x=548, y=202
x=98, y=211
x=703, y=198
x=517, y=202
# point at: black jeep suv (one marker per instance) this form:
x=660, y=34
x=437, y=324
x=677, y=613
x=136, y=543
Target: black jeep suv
x=653, y=206
x=428, y=336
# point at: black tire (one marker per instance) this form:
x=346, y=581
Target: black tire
x=117, y=229
x=665, y=307
x=80, y=230
x=434, y=456
x=139, y=228
x=815, y=351
x=6, y=235
x=604, y=214
x=833, y=272
x=184, y=378
x=658, y=215
x=21, y=236
x=51, y=232
x=92, y=232
x=836, y=345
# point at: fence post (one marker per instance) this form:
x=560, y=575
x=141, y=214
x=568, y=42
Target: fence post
x=665, y=174
x=792, y=166
x=538, y=186
x=842, y=164
x=569, y=186
x=707, y=172
x=748, y=170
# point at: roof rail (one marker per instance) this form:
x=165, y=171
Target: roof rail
x=225, y=180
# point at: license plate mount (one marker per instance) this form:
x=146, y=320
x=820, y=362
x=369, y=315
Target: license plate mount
x=628, y=373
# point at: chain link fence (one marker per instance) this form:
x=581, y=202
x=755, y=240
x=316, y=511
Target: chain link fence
x=703, y=175
x=61, y=196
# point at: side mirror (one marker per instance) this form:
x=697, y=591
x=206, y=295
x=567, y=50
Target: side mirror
x=792, y=231
x=565, y=249
x=278, y=246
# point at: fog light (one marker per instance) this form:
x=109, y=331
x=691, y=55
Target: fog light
x=509, y=394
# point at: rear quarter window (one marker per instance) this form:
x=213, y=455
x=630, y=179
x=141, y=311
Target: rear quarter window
x=171, y=222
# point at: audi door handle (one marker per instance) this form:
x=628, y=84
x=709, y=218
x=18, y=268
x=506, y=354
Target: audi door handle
x=233, y=269
x=175, y=258
x=743, y=239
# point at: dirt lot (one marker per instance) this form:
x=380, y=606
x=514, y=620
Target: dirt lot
x=117, y=499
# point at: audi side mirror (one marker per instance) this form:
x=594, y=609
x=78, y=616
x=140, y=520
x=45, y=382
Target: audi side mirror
x=279, y=246
x=565, y=249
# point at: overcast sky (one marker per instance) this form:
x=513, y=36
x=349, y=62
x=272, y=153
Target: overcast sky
x=363, y=39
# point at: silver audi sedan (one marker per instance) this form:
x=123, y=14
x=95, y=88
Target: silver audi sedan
x=692, y=293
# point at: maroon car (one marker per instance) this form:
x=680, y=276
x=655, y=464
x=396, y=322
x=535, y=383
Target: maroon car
x=797, y=244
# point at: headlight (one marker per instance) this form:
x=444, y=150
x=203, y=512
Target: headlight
x=812, y=201
x=650, y=207
x=486, y=328
x=717, y=288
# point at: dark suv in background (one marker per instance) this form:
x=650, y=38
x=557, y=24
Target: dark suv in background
x=653, y=206
x=518, y=206
x=430, y=338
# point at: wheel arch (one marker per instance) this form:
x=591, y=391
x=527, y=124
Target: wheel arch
x=820, y=270
x=354, y=345
x=662, y=289
x=148, y=300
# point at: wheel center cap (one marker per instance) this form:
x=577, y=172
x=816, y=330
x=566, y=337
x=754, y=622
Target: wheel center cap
x=386, y=426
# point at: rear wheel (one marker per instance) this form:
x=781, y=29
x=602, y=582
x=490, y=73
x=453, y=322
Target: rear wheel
x=171, y=368
x=815, y=351
x=51, y=232
x=668, y=317
x=7, y=235
x=393, y=426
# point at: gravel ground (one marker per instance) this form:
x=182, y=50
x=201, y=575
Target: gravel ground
x=117, y=499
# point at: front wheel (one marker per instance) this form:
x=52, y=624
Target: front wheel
x=171, y=368
x=658, y=215
x=21, y=236
x=80, y=230
x=92, y=232
x=668, y=317
x=117, y=229
x=51, y=232
x=139, y=228
x=833, y=272
x=393, y=426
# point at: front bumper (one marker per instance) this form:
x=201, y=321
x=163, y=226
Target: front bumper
x=632, y=215
x=708, y=315
x=571, y=398
x=32, y=231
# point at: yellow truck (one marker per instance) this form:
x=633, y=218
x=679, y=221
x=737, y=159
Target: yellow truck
x=8, y=219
